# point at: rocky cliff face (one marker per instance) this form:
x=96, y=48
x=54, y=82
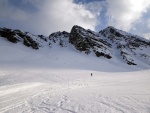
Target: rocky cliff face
x=88, y=41
x=130, y=47
x=16, y=36
x=109, y=43
x=59, y=37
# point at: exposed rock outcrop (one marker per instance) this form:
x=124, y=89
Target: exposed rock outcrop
x=110, y=43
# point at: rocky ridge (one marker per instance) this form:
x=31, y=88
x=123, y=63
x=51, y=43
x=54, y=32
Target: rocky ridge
x=108, y=44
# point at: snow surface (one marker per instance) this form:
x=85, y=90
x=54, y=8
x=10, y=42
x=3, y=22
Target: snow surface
x=59, y=81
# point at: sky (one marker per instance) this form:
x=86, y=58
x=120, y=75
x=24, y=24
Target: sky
x=47, y=16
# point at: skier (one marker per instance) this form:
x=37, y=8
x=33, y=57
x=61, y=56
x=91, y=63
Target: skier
x=91, y=74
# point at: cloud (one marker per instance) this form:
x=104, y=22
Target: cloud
x=148, y=23
x=50, y=15
x=8, y=11
x=143, y=29
x=95, y=7
x=125, y=13
x=146, y=35
x=47, y=16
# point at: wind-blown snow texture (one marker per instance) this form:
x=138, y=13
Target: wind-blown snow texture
x=55, y=75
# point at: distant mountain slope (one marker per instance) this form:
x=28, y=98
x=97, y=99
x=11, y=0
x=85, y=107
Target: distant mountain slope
x=108, y=44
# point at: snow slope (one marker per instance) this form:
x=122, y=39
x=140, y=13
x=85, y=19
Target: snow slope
x=110, y=45
x=59, y=81
x=17, y=55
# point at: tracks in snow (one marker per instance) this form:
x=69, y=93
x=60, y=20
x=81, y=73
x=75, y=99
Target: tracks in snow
x=76, y=94
x=24, y=95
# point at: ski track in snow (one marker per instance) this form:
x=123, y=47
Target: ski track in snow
x=74, y=91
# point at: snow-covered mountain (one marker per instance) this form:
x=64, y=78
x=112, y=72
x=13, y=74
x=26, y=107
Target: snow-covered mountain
x=40, y=74
x=108, y=44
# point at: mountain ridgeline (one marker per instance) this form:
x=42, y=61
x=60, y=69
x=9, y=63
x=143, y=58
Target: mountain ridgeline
x=108, y=44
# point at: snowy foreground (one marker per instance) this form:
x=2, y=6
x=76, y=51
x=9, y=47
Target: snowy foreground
x=74, y=91
x=59, y=81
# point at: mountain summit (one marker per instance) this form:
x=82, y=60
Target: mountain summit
x=108, y=44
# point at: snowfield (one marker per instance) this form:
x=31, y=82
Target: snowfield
x=48, y=81
x=74, y=91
